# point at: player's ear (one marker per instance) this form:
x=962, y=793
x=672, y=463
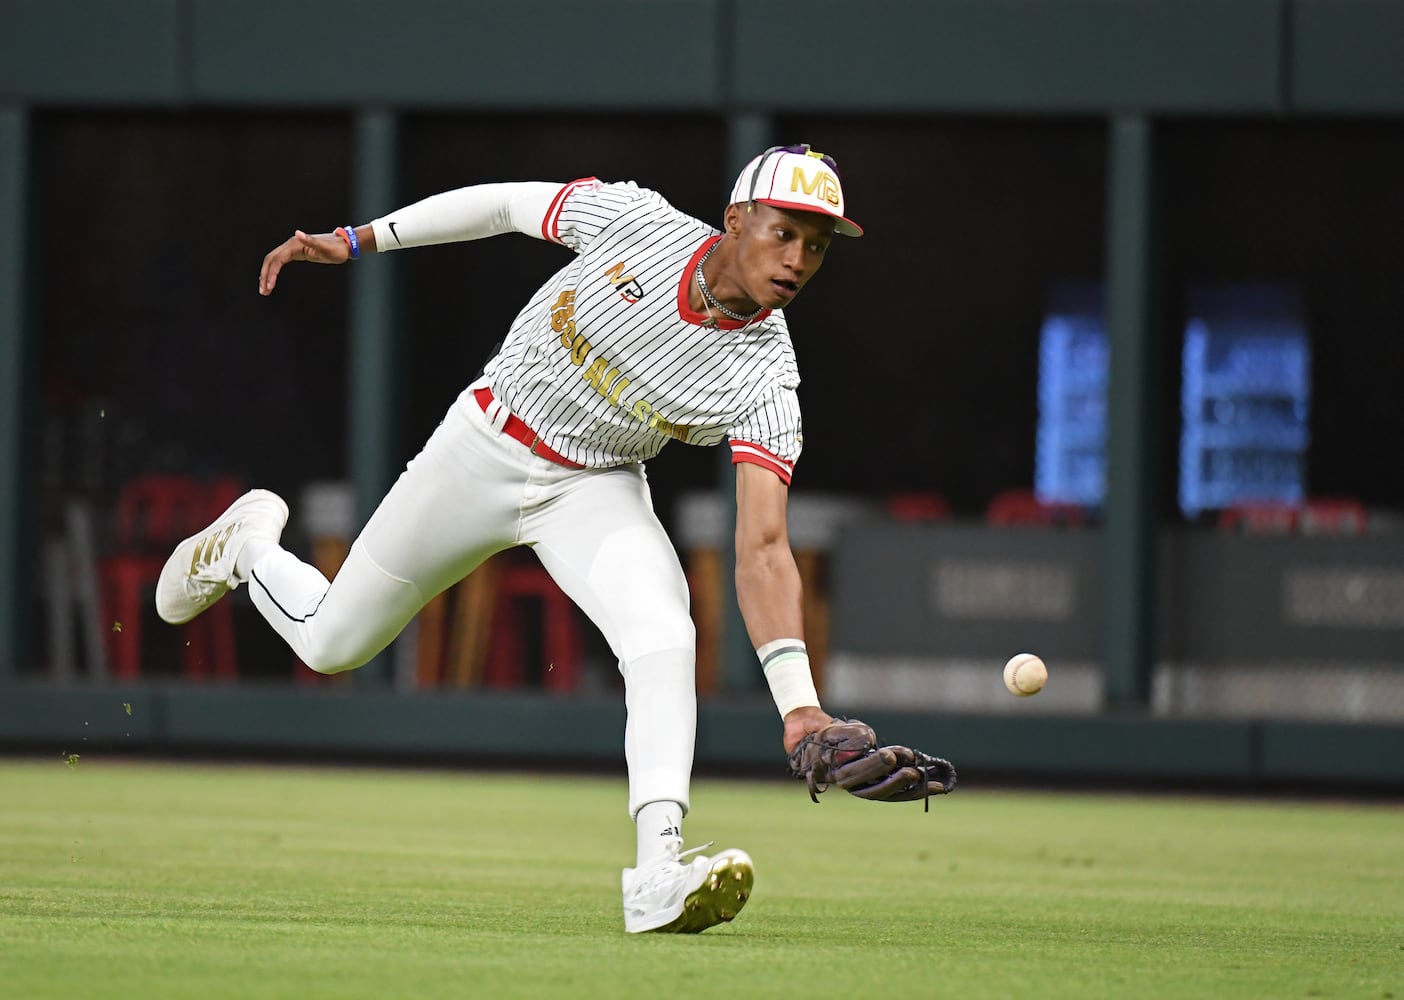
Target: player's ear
x=732, y=218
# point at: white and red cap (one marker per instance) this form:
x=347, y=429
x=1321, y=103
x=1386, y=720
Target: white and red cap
x=797, y=178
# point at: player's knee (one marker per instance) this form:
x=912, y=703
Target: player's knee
x=327, y=667
x=679, y=632
x=335, y=657
x=658, y=633
x=324, y=665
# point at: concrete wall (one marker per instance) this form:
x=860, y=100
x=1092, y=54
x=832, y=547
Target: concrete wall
x=331, y=726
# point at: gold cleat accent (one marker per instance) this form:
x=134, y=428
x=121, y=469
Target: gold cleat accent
x=720, y=896
x=201, y=569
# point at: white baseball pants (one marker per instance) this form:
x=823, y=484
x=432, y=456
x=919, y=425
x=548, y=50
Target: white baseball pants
x=473, y=491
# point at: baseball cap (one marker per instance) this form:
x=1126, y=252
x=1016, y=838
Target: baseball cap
x=795, y=177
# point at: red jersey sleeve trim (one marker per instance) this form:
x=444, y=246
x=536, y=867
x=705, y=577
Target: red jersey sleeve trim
x=745, y=451
x=550, y=226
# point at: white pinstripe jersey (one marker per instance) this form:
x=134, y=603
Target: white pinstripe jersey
x=608, y=362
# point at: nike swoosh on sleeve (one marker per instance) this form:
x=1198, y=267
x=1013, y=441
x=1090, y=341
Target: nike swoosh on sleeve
x=394, y=234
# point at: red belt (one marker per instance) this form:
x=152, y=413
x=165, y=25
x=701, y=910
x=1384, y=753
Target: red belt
x=515, y=428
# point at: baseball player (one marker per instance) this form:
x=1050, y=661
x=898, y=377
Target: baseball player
x=659, y=329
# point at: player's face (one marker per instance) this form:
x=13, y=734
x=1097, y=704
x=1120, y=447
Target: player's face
x=777, y=250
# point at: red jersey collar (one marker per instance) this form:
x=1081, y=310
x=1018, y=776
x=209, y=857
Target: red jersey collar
x=690, y=314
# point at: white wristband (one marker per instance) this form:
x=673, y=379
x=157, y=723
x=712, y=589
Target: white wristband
x=785, y=663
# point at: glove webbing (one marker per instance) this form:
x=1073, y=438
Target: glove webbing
x=815, y=790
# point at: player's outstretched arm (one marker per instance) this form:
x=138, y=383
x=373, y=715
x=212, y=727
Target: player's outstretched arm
x=469, y=213
x=769, y=592
x=768, y=586
x=319, y=248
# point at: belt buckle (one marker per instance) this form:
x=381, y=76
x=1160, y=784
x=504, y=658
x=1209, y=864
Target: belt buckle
x=535, y=440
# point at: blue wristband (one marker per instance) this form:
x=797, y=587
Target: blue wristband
x=348, y=233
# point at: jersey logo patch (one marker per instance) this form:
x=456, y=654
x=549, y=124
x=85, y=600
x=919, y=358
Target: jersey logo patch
x=629, y=288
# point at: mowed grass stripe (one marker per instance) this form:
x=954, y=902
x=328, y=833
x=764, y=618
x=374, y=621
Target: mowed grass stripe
x=127, y=879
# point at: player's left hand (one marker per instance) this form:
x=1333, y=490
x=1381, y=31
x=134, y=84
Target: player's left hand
x=800, y=722
x=322, y=248
x=846, y=753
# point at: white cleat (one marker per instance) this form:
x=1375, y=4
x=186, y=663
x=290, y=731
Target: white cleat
x=674, y=896
x=201, y=569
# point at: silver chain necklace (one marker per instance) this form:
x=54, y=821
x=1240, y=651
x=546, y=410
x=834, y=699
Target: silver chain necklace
x=712, y=299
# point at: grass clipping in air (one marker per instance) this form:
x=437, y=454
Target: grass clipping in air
x=146, y=880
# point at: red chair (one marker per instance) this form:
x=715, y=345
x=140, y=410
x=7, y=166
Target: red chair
x=1333, y=516
x=918, y=507
x=1259, y=519
x=1022, y=507
x=521, y=582
x=154, y=513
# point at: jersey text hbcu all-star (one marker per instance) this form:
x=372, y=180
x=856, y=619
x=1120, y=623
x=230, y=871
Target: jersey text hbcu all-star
x=608, y=362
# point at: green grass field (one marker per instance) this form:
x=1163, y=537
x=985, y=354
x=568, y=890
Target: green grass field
x=142, y=880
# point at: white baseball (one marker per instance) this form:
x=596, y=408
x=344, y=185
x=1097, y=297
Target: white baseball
x=1025, y=674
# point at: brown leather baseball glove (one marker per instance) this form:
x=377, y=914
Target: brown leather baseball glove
x=846, y=753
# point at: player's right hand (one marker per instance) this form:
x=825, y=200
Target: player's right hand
x=324, y=248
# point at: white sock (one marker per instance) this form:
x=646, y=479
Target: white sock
x=660, y=830
x=254, y=549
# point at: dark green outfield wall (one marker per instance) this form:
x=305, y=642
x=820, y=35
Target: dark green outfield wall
x=321, y=726
x=1054, y=56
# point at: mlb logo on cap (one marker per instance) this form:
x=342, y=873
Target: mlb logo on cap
x=797, y=178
